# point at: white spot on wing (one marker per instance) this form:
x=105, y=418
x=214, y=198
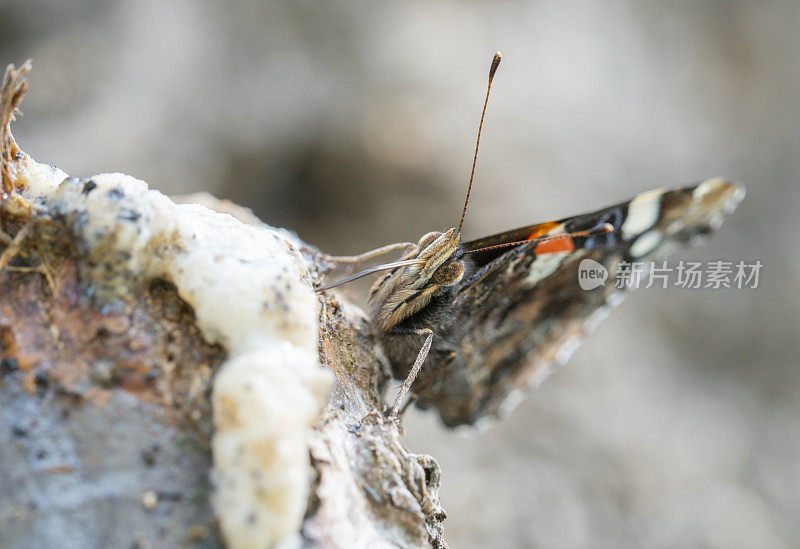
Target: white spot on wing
x=567, y=349
x=710, y=185
x=646, y=243
x=642, y=213
x=738, y=196
x=545, y=265
x=703, y=188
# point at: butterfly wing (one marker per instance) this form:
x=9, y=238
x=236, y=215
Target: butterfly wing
x=523, y=311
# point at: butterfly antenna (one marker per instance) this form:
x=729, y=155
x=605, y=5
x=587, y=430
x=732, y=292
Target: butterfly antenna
x=492, y=70
x=602, y=228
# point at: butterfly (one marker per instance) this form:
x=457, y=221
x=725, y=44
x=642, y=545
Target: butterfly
x=468, y=325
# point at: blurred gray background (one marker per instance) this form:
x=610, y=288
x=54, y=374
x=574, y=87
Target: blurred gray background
x=676, y=424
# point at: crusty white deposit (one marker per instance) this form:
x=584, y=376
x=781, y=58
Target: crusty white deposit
x=246, y=286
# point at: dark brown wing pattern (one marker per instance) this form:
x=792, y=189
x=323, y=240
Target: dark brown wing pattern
x=523, y=312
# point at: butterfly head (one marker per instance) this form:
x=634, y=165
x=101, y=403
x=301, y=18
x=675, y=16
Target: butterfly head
x=428, y=268
x=406, y=290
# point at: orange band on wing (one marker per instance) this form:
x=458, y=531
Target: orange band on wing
x=539, y=230
x=550, y=246
x=565, y=244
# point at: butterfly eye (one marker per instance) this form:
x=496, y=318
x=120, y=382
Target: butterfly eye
x=449, y=273
x=428, y=239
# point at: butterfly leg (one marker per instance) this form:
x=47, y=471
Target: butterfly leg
x=412, y=374
x=370, y=254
